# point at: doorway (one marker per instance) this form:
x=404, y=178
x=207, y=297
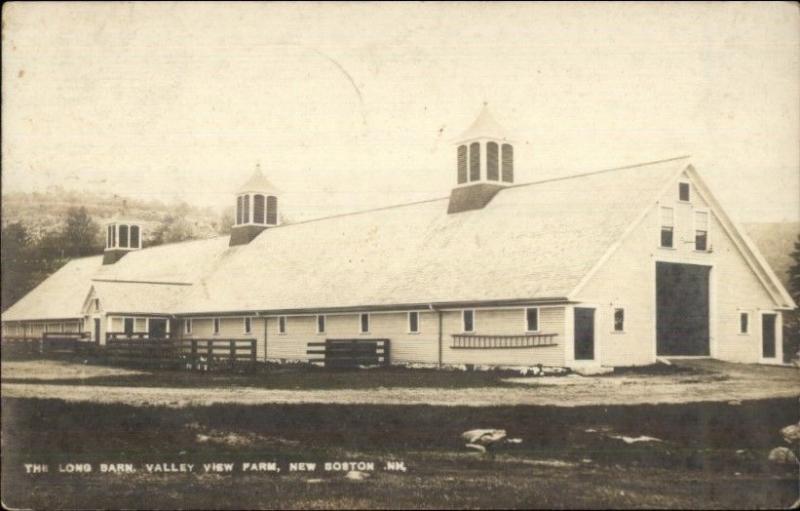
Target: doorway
x=584, y=333
x=157, y=328
x=682, y=309
x=768, y=338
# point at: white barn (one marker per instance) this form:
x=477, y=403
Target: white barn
x=607, y=268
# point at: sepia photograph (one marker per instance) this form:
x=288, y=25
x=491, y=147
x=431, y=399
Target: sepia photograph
x=400, y=255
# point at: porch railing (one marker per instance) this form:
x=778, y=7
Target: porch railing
x=475, y=341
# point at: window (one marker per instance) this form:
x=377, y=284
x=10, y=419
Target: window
x=532, y=319
x=247, y=325
x=128, y=326
x=683, y=192
x=462, y=164
x=140, y=325
x=123, y=236
x=474, y=161
x=365, y=323
x=619, y=320
x=239, y=204
x=744, y=320
x=134, y=236
x=109, y=229
x=491, y=162
x=281, y=324
x=468, y=320
x=246, y=210
x=258, y=209
x=667, y=227
x=701, y=230
x=508, y=163
x=413, y=322
x=113, y=235
x=320, y=324
x=272, y=210
x=216, y=326
x=187, y=326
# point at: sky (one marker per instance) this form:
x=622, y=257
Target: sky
x=353, y=106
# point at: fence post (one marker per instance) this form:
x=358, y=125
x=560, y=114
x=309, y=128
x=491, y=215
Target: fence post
x=233, y=353
x=252, y=354
x=194, y=354
x=209, y=353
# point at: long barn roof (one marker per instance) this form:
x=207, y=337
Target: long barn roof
x=533, y=241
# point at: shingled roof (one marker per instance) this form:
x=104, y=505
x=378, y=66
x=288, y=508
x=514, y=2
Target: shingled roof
x=533, y=241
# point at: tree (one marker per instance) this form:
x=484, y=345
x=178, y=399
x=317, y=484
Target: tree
x=80, y=235
x=791, y=341
x=15, y=255
x=172, y=230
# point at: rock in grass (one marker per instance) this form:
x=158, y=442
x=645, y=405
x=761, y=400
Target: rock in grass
x=782, y=455
x=484, y=437
x=356, y=475
x=791, y=433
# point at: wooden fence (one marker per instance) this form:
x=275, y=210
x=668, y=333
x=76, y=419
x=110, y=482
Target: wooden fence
x=350, y=353
x=210, y=354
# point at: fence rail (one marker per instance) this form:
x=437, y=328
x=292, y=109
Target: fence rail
x=474, y=341
x=350, y=353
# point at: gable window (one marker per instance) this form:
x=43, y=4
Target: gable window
x=468, y=320
x=532, y=319
x=96, y=304
x=187, y=326
x=744, y=322
x=683, y=192
x=619, y=319
x=701, y=230
x=413, y=322
x=667, y=227
x=128, y=326
x=281, y=324
x=474, y=161
x=365, y=323
x=320, y=324
x=247, y=326
x=216, y=326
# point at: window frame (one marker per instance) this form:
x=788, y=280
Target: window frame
x=746, y=316
x=527, y=322
x=410, y=330
x=215, y=327
x=681, y=183
x=283, y=325
x=321, y=320
x=661, y=227
x=614, y=310
x=361, y=317
x=707, y=212
x=464, y=323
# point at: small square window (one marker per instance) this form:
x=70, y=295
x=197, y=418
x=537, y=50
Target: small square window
x=413, y=322
x=320, y=324
x=532, y=319
x=216, y=326
x=744, y=320
x=364, y=323
x=247, y=325
x=619, y=320
x=468, y=319
x=683, y=192
x=281, y=324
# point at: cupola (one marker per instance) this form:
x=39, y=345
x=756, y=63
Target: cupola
x=256, y=208
x=484, y=163
x=122, y=236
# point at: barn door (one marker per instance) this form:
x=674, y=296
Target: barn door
x=584, y=333
x=768, y=335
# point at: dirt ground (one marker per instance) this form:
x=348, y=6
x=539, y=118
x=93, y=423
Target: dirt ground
x=709, y=381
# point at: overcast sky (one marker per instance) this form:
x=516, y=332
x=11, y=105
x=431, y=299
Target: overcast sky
x=354, y=106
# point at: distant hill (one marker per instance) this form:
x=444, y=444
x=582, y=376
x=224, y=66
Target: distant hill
x=775, y=240
x=43, y=212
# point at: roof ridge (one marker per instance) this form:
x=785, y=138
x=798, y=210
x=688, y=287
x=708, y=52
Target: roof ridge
x=593, y=172
x=119, y=281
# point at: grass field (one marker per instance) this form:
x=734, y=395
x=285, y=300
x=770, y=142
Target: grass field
x=712, y=455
